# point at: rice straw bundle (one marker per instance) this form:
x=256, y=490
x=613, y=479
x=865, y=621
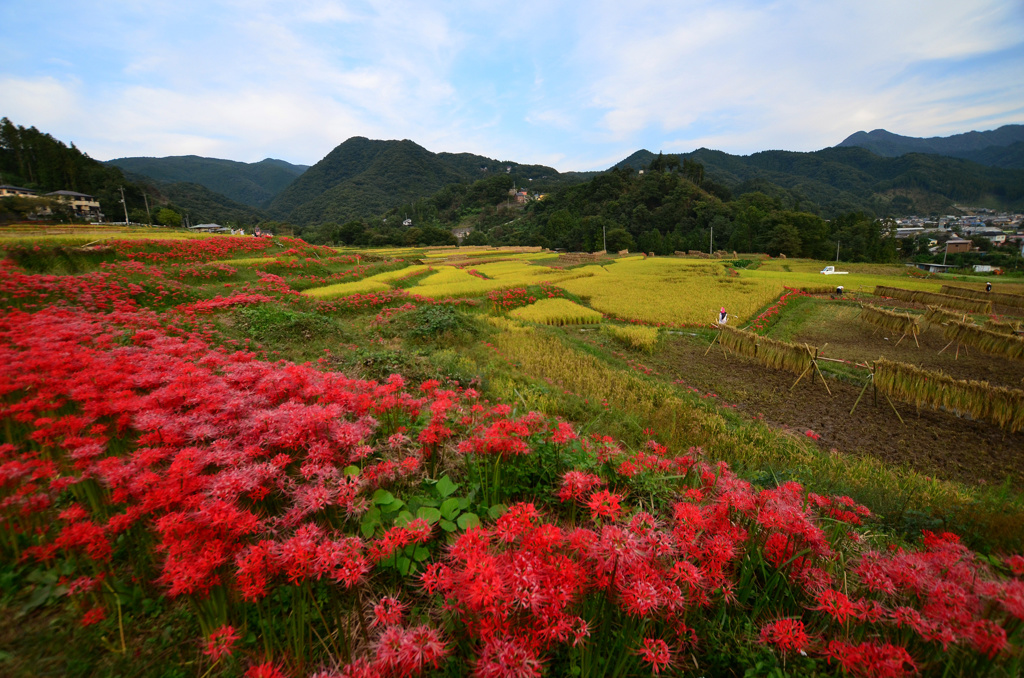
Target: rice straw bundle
x=895, y=323
x=1001, y=298
x=894, y=293
x=782, y=355
x=936, y=315
x=739, y=341
x=944, y=300
x=1001, y=406
x=1001, y=327
x=778, y=355
x=986, y=341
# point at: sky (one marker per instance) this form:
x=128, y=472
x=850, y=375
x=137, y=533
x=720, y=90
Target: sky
x=572, y=85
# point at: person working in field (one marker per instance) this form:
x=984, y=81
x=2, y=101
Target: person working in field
x=722, y=316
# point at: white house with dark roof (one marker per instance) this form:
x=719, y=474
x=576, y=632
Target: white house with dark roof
x=83, y=205
x=8, y=190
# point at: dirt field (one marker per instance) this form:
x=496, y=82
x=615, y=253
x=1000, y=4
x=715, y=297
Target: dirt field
x=934, y=443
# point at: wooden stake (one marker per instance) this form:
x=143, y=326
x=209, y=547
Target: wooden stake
x=823, y=382
x=871, y=379
x=712, y=343
x=800, y=377
x=894, y=410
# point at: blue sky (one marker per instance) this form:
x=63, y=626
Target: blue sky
x=573, y=85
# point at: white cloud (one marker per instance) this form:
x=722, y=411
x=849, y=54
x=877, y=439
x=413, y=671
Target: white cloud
x=44, y=102
x=532, y=81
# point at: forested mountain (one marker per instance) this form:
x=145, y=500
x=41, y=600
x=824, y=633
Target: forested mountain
x=252, y=184
x=200, y=205
x=33, y=159
x=1000, y=147
x=364, y=177
x=838, y=180
x=778, y=202
x=666, y=208
x=834, y=181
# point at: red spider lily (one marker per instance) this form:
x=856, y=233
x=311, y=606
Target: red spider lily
x=871, y=659
x=388, y=612
x=835, y=604
x=655, y=652
x=93, y=616
x=507, y=658
x=786, y=634
x=221, y=643
x=265, y=670
x=604, y=504
x=407, y=652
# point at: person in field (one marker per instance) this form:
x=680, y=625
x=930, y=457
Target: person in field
x=723, y=317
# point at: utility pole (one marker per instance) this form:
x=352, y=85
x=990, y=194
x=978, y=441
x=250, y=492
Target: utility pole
x=604, y=237
x=945, y=253
x=711, y=247
x=837, y=251
x=149, y=217
x=124, y=204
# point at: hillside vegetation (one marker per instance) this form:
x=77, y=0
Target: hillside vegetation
x=1002, y=147
x=252, y=184
x=363, y=177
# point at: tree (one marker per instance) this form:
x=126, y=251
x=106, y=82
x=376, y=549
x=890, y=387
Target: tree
x=619, y=239
x=475, y=238
x=168, y=217
x=785, y=240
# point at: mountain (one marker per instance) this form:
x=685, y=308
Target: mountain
x=33, y=159
x=252, y=184
x=364, y=177
x=1000, y=147
x=202, y=206
x=839, y=180
x=636, y=161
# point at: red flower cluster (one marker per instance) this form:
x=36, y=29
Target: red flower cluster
x=507, y=300
x=762, y=321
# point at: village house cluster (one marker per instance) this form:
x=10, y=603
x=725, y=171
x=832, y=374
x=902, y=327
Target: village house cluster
x=82, y=205
x=951, y=234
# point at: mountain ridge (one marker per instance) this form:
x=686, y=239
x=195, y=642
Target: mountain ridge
x=251, y=184
x=1001, y=147
x=364, y=177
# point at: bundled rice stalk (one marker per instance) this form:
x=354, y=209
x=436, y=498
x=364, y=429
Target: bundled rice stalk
x=1001, y=406
x=986, y=341
x=1001, y=298
x=894, y=323
x=778, y=355
x=894, y=293
x=739, y=341
x=1001, y=327
x=944, y=300
x=782, y=355
x=936, y=315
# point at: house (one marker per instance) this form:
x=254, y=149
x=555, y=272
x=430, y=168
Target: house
x=210, y=228
x=8, y=190
x=461, y=232
x=934, y=268
x=957, y=245
x=83, y=206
